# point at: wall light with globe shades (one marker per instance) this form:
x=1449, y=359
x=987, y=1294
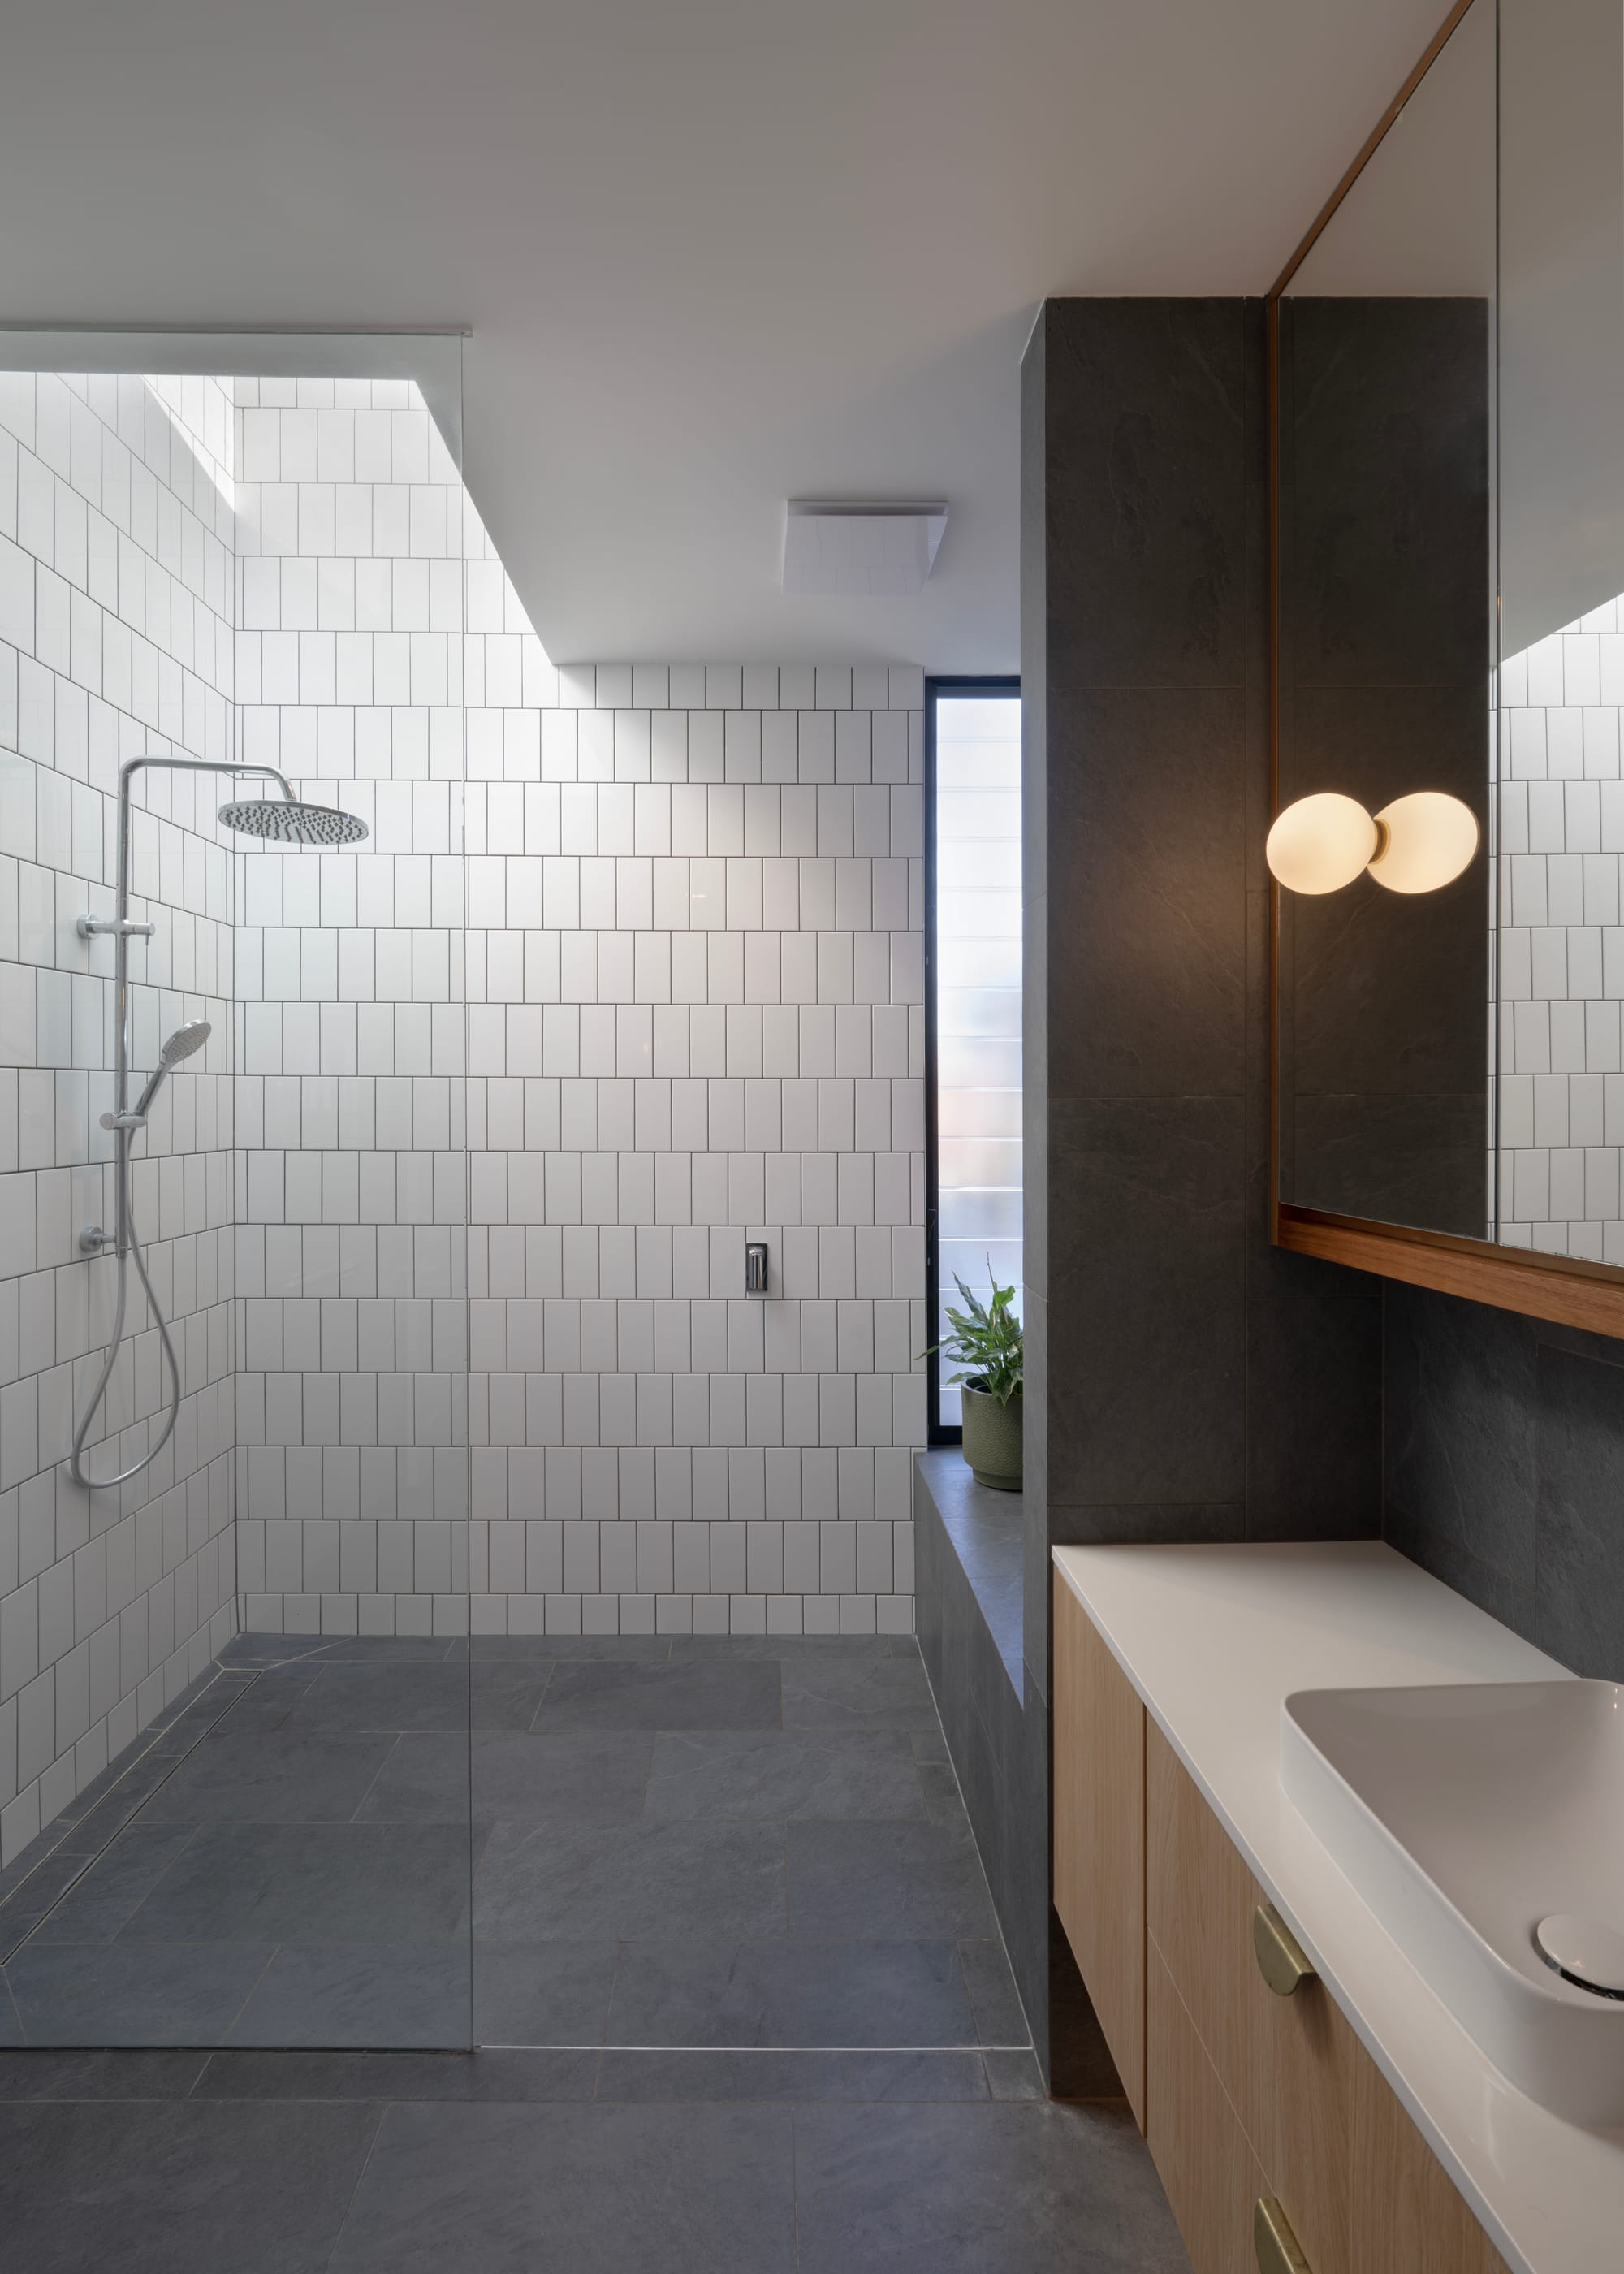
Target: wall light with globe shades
x=1418, y=844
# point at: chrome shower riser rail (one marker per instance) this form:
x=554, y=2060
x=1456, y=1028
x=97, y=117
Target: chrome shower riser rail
x=124, y=1123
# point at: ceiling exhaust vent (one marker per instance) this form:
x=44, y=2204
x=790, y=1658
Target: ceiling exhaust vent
x=879, y=551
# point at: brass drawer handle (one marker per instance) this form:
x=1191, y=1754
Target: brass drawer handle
x=1278, y=2250
x=1281, y=1961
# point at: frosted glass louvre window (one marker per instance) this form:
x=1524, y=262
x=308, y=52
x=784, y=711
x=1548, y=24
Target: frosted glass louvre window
x=977, y=969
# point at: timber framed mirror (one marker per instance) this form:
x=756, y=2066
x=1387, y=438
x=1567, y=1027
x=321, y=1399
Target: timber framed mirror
x=1447, y=508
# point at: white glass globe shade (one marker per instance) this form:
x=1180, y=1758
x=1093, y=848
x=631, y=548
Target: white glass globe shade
x=1321, y=843
x=1430, y=838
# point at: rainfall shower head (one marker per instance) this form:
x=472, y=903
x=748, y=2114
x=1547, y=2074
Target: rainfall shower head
x=180, y=1045
x=292, y=822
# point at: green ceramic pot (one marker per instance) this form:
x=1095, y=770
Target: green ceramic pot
x=992, y=1439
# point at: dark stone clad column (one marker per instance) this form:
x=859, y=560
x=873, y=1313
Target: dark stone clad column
x=1185, y=1379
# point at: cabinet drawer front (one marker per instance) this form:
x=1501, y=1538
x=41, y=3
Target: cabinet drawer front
x=1213, y=2179
x=1284, y=2061
x=1100, y=1833
x=1406, y=2210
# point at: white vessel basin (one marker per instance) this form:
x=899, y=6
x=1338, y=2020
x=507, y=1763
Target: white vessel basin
x=1466, y=1815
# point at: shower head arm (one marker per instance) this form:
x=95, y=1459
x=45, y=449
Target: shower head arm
x=203, y=766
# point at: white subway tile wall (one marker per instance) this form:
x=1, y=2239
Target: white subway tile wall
x=351, y=1197
x=117, y=603
x=695, y=970
x=1560, y=1133
x=695, y=989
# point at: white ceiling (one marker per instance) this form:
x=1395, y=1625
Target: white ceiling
x=713, y=253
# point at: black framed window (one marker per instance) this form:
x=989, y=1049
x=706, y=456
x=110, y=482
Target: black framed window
x=973, y=1003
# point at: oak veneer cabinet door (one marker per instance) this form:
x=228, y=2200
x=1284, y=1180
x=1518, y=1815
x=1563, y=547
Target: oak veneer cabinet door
x=1197, y=1909
x=1099, y=1832
x=1212, y=2179
x=1407, y=2212
x=1285, y=2063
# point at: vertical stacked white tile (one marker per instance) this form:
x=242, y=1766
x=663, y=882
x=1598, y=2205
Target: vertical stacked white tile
x=696, y=967
x=352, y=1187
x=1561, y=943
x=116, y=602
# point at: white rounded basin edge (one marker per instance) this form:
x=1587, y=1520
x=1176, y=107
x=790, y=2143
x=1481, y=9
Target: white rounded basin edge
x=1464, y=1814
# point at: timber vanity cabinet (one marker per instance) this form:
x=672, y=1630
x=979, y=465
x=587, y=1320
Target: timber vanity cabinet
x=1280, y=2144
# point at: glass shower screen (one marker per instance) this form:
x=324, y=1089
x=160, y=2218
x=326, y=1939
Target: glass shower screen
x=237, y=1684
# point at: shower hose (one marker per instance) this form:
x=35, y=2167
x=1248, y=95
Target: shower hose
x=128, y=1249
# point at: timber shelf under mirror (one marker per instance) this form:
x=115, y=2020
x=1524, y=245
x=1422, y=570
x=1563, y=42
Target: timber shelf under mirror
x=1280, y=2144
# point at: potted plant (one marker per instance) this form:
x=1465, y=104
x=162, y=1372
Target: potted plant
x=986, y=1345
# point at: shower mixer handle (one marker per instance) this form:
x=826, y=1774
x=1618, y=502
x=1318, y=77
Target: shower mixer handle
x=119, y=927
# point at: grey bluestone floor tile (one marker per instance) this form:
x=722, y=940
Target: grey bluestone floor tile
x=543, y=1993
x=180, y=1735
x=656, y=1648
x=272, y=1776
x=1012, y=2075
x=839, y=1693
x=605, y=2189
x=491, y=2075
x=409, y=1994
x=425, y=1779
x=112, y=1884
x=776, y=1773
x=12, y=2032
x=83, y=1802
x=585, y=1776
x=177, y=2188
x=121, y=1993
x=629, y=1882
x=781, y=2075
x=32, y=1898
x=792, y=1646
x=311, y=1883
x=269, y=1701
x=1025, y=2189
x=27, y=1860
x=268, y=1650
x=710, y=1693
x=912, y=1881
x=126, y=1800
x=42, y=2074
x=502, y=1694
x=790, y=1994
x=383, y=1650
x=944, y=1801
x=1000, y=2019
x=928, y=1744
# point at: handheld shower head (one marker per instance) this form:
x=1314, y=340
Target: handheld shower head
x=292, y=822
x=180, y=1045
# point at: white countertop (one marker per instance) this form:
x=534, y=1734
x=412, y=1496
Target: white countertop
x=1213, y=1639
